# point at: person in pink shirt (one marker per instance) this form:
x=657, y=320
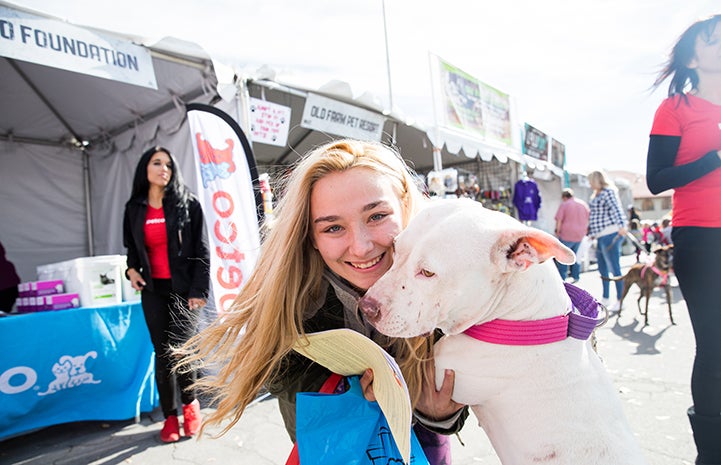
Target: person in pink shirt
x=571, y=227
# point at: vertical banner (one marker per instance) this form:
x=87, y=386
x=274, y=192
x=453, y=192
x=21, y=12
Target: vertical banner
x=466, y=103
x=558, y=153
x=227, y=189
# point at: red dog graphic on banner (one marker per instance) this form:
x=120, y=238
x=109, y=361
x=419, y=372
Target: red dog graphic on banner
x=214, y=163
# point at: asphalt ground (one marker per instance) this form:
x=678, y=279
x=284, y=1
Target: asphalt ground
x=650, y=367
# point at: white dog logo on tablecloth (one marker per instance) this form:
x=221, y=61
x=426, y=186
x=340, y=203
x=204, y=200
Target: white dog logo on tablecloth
x=70, y=372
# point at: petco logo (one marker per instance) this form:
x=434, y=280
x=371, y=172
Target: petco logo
x=214, y=163
x=69, y=372
x=26, y=373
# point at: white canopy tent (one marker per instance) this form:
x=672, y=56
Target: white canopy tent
x=69, y=143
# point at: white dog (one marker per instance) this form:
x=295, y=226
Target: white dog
x=469, y=270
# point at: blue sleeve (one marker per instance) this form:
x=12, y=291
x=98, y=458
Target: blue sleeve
x=662, y=175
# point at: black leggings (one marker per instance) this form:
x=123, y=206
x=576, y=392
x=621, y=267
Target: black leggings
x=696, y=258
x=170, y=323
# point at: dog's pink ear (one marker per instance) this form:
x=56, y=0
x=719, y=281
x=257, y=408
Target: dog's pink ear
x=535, y=246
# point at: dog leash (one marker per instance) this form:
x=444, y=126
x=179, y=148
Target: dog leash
x=633, y=240
x=615, y=239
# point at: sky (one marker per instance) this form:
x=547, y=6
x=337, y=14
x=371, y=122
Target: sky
x=578, y=70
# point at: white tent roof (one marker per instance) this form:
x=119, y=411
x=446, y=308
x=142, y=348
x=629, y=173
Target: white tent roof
x=69, y=143
x=74, y=104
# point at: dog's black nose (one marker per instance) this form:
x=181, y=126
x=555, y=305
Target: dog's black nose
x=370, y=308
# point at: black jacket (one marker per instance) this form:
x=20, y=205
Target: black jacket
x=188, y=253
x=336, y=308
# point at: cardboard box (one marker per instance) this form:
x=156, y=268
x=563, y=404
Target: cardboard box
x=23, y=305
x=60, y=301
x=41, y=288
x=23, y=289
x=96, y=280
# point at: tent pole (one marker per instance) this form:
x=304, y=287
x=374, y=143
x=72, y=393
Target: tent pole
x=88, y=205
x=243, y=106
x=437, y=160
x=388, y=57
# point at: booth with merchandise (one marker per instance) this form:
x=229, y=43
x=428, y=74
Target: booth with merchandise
x=79, y=348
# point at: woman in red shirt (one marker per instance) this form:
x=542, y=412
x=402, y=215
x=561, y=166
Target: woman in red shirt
x=684, y=155
x=168, y=260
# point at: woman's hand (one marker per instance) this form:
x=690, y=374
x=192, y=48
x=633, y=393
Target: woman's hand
x=437, y=404
x=195, y=303
x=366, y=383
x=136, y=279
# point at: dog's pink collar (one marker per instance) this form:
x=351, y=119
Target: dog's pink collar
x=521, y=333
x=579, y=323
x=663, y=274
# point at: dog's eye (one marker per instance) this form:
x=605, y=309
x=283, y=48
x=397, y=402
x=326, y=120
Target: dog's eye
x=427, y=273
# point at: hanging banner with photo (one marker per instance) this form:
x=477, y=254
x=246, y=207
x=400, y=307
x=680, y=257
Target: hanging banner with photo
x=535, y=143
x=229, y=192
x=57, y=44
x=463, y=102
x=558, y=153
x=328, y=115
x=269, y=122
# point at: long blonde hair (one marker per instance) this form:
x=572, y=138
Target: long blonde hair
x=247, y=344
x=599, y=178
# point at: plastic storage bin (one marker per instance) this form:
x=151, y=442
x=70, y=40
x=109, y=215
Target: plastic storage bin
x=96, y=280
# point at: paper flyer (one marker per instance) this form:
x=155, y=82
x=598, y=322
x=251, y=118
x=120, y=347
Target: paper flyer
x=349, y=353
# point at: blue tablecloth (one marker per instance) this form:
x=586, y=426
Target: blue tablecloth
x=93, y=363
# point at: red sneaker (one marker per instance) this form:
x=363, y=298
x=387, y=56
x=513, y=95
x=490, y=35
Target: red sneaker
x=171, y=430
x=191, y=418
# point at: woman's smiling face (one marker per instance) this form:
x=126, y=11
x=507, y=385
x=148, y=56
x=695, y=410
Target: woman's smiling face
x=355, y=215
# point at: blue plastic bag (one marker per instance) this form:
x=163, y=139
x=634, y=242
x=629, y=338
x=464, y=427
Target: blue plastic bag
x=346, y=429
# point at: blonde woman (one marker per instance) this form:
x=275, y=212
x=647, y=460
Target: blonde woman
x=332, y=237
x=607, y=224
